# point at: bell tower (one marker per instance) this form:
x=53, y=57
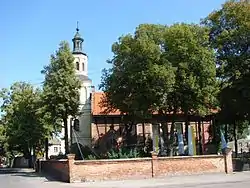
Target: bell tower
x=81, y=59
x=84, y=120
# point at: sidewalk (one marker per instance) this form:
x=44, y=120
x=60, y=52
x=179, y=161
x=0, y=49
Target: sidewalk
x=167, y=181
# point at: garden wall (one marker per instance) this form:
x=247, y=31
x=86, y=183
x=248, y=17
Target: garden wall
x=57, y=169
x=121, y=169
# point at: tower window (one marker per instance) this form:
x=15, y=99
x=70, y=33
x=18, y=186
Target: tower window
x=83, y=67
x=77, y=66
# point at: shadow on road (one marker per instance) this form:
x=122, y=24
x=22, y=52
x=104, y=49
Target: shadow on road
x=29, y=173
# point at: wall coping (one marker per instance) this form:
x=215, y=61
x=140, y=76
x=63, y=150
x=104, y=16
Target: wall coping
x=54, y=160
x=146, y=159
x=191, y=157
x=113, y=160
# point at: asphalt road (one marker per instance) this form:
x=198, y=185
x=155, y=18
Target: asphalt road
x=25, y=178
x=240, y=184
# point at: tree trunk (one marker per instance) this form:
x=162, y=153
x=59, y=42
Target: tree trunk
x=66, y=138
x=226, y=138
x=46, y=148
x=34, y=158
x=200, y=137
x=165, y=138
x=186, y=128
x=172, y=136
x=235, y=140
x=143, y=134
x=30, y=158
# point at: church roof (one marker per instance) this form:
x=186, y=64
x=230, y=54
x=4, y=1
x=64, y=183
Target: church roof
x=97, y=108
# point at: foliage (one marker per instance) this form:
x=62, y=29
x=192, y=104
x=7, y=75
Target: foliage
x=22, y=120
x=91, y=157
x=195, y=88
x=162, y=69
x=243, y=130
x=139, y=76
x=2, y=140
x=230, y=38
x=61, y=87
x=123, y=153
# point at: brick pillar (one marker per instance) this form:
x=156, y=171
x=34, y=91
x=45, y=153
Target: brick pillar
x=71, y=159
x=228, y=160
x=154, y=164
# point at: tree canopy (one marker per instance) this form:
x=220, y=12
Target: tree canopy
x=61, y=87
x=230, y=38
x=21, y=120
x=159, y=68
x=139, y=76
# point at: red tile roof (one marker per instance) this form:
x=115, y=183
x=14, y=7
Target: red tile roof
x=97, y=109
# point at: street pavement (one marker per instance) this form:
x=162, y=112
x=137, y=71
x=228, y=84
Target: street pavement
x=27, y=178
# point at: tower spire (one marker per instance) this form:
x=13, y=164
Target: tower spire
x=77, y=41
x=77, y=26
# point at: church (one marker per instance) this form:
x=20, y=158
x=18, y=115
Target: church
x=92, y=123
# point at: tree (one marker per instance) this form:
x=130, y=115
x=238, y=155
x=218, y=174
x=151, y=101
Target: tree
x=230, y=38
x=23, y=128
x=195, y=89
x=140, y=78
x=61, y=88
x=138, y=75
x=163, y=69
x=2, y=140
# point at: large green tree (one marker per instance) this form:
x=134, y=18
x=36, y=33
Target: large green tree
x=195, y=89
x=139, y=76
x=23, y=128
x=140, y=79
x=61, y=88
x=230, y=38
x=163, y=69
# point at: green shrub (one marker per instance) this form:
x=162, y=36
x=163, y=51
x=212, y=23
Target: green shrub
x=124, y=153
x=91, y=157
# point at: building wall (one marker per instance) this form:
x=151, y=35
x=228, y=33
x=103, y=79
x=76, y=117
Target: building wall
x=98, y=129
x=83, y=61
x=54, y=150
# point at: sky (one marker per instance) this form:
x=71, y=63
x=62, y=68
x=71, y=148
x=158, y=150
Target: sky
x=31, y=30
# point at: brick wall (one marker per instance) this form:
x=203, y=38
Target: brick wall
x=189, y=165
x=121, y=169
x=112, y=169
x=57, y=169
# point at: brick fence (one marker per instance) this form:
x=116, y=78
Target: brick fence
x=120, y=169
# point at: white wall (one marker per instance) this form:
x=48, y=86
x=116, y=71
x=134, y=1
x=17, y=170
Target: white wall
x=52, y=150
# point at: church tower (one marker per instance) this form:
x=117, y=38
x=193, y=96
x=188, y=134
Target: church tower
x=81, y=59
x=81, y=132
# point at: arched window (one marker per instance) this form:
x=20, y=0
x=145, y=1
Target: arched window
x=77, y=66
x=83, y=67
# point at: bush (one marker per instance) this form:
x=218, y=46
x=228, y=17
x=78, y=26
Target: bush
x=124, y=153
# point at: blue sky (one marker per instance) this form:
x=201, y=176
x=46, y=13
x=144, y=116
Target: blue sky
x=31, y=30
